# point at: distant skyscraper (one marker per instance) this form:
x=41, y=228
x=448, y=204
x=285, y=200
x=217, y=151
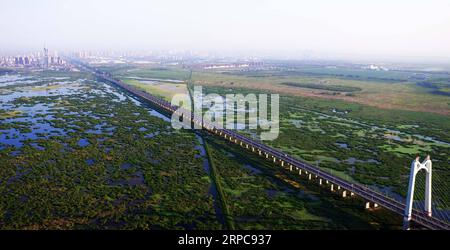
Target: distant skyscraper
x=45, y=64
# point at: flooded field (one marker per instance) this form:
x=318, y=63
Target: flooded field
x=371, y=152
x=77, y=153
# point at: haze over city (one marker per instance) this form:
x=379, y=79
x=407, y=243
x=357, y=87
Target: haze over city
x=401, y=29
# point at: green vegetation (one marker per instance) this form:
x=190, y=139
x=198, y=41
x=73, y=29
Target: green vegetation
x=218, y=185
x=79, y=154
x=261, y=195
x=378, y=144
x=9, y=114
x=367, y=135
x=146, y=71
x=339, y=88
x=164, y=90
x=103, y=162
x=336, y=72
x=402, y=94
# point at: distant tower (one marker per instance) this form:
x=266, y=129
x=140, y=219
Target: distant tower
x=45, y=58
x=416, y=166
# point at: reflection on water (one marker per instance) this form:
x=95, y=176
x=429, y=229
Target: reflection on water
x=65, y=90
x=342, y=145
x=83, y=142
x=31, y=120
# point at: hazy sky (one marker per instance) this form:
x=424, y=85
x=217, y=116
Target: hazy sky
x=396, y=28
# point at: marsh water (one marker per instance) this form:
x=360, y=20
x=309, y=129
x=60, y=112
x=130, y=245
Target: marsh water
x=24, y=121
x=35, y=109
x=38, y=115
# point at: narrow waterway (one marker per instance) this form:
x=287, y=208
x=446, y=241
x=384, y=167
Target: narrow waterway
x=213, y=188
x=201, y=147
x=207, y=165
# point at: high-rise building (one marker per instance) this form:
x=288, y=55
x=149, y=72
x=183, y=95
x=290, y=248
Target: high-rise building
x=45, y=64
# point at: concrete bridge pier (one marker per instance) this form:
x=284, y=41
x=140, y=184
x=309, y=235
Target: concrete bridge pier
x=344, y=194
x=320, y=181
x=332, y=188
x=299, y=171
x=290, y=167
x=309, y=177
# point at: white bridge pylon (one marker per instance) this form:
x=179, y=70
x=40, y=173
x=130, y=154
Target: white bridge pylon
x=416, y=166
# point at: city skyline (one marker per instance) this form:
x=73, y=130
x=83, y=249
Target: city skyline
x=406, y=30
